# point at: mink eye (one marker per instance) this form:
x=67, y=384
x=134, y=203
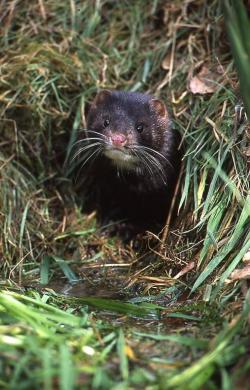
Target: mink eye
x=139, y=127
x=106, y=122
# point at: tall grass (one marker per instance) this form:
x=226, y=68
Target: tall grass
x=238, y=26
x=55, y=55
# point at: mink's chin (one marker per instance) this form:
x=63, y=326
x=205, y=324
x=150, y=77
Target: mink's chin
x=121, y=157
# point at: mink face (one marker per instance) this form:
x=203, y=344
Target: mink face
x=133, y=131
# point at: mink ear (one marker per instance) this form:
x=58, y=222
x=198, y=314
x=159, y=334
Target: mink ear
x=101, y=96
x=159, y=107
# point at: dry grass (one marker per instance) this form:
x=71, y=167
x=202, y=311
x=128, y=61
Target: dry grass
x=55, y=55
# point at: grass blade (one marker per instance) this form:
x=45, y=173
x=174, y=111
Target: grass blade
x=238, y=27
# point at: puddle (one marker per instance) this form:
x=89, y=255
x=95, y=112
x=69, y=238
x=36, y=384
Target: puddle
x=84, y=289
x=169, y=310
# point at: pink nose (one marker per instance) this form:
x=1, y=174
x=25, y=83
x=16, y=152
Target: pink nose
x=118, y=139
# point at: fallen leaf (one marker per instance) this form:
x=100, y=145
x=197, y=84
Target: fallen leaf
x=243, y=273
x=186, y=269
x=205, y=81
x=166, y=62
x=246, y=257
x=130, y=353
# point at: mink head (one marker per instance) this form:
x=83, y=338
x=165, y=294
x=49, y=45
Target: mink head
x=131, y=129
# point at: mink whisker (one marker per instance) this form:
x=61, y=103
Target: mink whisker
x=145, y=161
x=156, y=166
x=92, y=131
x=96, y=132
x=83, y=149
x=86, y=140
x=95, y=154
x=154, y=151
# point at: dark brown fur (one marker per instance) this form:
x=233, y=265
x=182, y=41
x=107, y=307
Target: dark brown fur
x=140, y=192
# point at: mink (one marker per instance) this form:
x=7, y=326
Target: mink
x=129, y=153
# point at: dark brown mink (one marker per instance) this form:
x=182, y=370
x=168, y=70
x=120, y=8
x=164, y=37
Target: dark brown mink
x=128, y=158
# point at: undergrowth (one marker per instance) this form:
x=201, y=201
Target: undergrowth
x=55, y=56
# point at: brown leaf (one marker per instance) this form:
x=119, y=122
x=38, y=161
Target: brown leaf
x=246, y=152
x=246, y=257
x=166, y=62
x=243, y=273
x=203, y=81
x=185, y=270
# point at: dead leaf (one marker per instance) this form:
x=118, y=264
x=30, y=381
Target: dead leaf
x=184, y=270
x=205, y=81
x=246, y=257
x=243, y=273
x=246, y=152
x=130, y=353
x=166, y=62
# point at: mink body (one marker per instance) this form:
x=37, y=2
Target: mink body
x=129, y=154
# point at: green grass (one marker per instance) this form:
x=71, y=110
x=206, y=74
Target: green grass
x=162, y=332
x=50, y=341
x=238, y=26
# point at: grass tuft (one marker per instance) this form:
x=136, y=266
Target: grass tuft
x=79, y=308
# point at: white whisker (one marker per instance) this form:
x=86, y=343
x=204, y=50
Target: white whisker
x=146, y=148
x=93, y=155
x=83, y=149
x=152, y=165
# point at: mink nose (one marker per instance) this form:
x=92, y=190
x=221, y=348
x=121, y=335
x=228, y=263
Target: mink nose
x=118, y=139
